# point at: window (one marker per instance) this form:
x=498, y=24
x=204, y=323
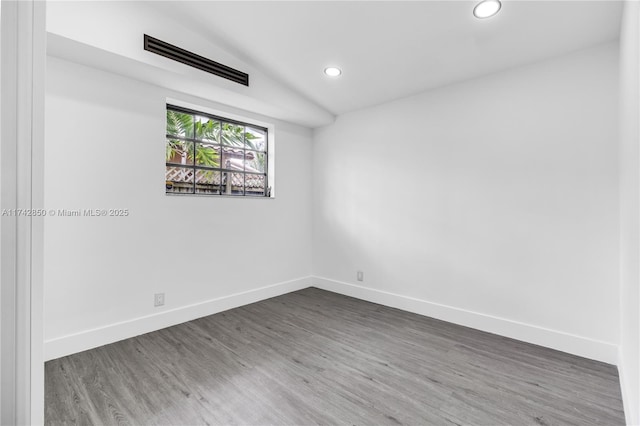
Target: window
x=209, y=155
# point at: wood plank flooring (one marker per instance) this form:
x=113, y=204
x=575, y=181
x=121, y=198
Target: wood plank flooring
x=315, y=357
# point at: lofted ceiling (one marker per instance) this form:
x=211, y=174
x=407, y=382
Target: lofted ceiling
x=392, y=49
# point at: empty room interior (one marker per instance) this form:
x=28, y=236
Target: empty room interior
x=338, y=212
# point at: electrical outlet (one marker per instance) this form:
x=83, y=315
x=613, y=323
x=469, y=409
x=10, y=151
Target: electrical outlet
x=360, y=276
x=158, y=299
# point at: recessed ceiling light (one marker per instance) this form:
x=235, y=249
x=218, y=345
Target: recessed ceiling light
x=332, y=71
x=487, y=8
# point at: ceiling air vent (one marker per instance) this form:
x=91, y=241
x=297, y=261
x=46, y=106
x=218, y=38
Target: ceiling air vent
x=189, y=58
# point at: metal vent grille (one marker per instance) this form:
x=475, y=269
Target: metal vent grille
x=170, y=51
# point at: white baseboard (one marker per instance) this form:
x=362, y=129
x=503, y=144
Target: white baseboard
x=565, y=342
x=577, y=345
x=89, y=339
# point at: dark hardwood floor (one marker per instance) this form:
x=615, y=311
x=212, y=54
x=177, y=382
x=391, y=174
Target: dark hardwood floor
x=315, y=357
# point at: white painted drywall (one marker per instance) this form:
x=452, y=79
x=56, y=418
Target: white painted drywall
x=105, y=149
x=630, y=211
x=111, y=34
x=497, y=196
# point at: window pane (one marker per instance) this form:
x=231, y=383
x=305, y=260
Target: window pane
x=233, y=183
x=232, y=135
x=254, y=184
x=232, y=158
x=179, y=124
x=207, y=155
x=208, y=182
x=179, y=179
x=179, y=152
x=207, y=129
x=256, y=139
x=255, y=161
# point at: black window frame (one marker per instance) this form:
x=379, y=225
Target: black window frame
x=226, y=175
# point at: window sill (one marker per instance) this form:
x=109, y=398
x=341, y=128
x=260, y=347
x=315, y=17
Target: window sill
x=242, y=197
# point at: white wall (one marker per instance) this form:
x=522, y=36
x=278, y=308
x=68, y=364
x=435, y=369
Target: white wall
x=105, y=149
x=492, y=203
x=83, y=32
x=630, y=210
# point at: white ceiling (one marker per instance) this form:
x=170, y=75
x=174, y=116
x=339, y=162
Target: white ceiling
x=391, y=49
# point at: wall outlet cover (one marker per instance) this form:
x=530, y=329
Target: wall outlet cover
x=158, y=299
